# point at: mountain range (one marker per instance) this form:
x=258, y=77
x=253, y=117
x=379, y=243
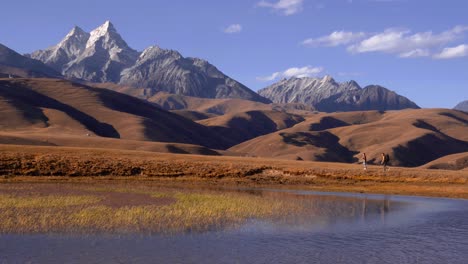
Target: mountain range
x=327, y=95
x=103, y=56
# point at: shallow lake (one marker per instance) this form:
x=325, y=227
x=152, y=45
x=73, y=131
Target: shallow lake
x=333, y=228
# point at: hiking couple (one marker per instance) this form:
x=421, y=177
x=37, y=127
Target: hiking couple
x=385, y=158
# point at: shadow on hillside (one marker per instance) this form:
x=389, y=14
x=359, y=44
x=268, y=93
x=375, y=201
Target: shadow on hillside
x=159, y=125
x=463, y=121
x=428, y=148
x=327, y=122
x=334, y=151
x=31, y=101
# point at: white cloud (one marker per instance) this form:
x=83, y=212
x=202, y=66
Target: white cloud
x=336, y=38
x=286, y=7
x=234, y=28
x=405, y=44
x=453, y=52
x=306, y=71
x=401, y=42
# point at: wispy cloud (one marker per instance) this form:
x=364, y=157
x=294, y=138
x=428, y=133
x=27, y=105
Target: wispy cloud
x=234, y=28
x=286, y=7
x=453, y=52
x=415, y=53
x=306, y=71
x=336, y=38
x=401, y=42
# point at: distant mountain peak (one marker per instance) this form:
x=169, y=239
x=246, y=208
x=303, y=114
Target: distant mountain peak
x=76, y=36
x=107, y=31
x=327, y=79
x=462, y=106
x=325, y=94
x=156, y=51
x=76, y=30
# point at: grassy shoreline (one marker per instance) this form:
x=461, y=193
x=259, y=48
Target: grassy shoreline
x=29, y=164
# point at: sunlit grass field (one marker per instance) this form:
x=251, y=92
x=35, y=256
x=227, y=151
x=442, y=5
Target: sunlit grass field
x=188, y=211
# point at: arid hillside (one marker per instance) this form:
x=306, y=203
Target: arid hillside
x=457, y=161
x=411, y=137
x=57, y=107
x=240, y=127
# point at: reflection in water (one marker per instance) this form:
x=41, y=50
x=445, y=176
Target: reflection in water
x=328, y=229
x=321, y=212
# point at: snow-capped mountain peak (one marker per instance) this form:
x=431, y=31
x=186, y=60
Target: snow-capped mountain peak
x=74, y=42
x=107, y=31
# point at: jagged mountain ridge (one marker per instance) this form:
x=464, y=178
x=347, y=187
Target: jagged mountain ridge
x=158, y=68
x=103, y=56
x=325, y=94
x=98, y=56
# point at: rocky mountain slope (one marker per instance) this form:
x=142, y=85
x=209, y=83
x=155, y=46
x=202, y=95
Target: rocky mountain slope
x=325, y=94
x=16, y=65
x=99, y=56
x=462, y=106
x=103, y=56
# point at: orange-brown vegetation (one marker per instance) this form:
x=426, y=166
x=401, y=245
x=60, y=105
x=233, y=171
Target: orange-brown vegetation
x=29, y=163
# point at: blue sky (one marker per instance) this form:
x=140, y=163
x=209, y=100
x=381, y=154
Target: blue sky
x=418, y=48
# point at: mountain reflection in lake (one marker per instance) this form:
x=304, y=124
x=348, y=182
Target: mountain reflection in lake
x=329, y=228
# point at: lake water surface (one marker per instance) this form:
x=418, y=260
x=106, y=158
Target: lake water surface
x=337, y=228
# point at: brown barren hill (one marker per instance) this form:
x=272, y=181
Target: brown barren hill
x=457, y=161
x=240, y=127
x=58, y=107
x=411, y=137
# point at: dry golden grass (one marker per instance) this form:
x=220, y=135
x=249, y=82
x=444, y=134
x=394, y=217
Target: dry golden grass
x=191, y=211
x=49, y=164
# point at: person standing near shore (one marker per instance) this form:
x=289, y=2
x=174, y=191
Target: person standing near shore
x=384, y=161
x=364, y=160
